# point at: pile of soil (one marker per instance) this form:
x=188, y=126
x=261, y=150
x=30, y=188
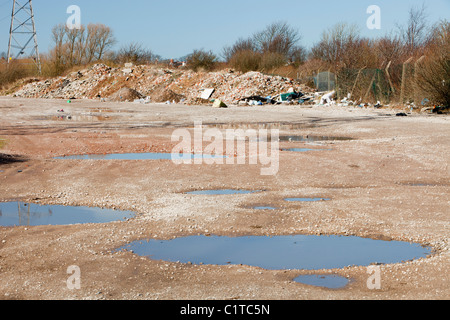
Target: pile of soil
x=165, y=95
x=126, y=94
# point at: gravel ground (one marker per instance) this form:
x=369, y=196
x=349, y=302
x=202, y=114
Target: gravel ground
x=390, y=182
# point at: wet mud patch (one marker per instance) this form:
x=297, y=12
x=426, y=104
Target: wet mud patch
x=8, y=158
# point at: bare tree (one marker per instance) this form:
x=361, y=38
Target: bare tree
x=336, y=45
x=201, y=60
x=278, y=37
x=58, y=53
x=414, y=34
x=390, y=48
x=80, y=46
x=135, y=53
x=105, y=40
x=434, y=73
x=239, y=46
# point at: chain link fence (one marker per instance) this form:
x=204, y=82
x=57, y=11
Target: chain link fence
x=387, y=84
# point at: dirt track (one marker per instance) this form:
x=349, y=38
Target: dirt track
x=391, y=182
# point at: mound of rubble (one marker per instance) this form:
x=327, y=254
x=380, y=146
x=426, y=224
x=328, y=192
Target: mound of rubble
x=153, y=84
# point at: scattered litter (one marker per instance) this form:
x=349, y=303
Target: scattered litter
x=147, y=100
x=289, y=97
x=207, y=93
x=327, y=99
x=219, y=104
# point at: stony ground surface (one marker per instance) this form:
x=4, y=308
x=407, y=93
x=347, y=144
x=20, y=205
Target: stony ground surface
x=391, y=182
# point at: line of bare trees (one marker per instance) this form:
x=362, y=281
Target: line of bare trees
x=80, y=46
x=408, y=64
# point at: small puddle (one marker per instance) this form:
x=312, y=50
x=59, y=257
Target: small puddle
x=30, y=214
x=138, y=156
x=279, y=252
x=293, y=138
x=221, y=192
x=302, y=149
x=422, y=184
x=323, y=281
x=306, y=199
x=260, y=125
x=264, y=208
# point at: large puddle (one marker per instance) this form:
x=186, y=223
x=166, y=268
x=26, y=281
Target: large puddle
x=139, y=156
x=279, y=252
x=323, y=281
x=29, y=214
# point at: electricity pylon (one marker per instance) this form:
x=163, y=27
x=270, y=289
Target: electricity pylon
x=22, y=33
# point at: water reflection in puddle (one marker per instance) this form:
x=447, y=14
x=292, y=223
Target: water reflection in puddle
x=29, y=214
x=313, y=138
x=302, y=149
x=138, y=156
x=289, y=126
x=324, y=281
x=279, y=252
x=264, y=208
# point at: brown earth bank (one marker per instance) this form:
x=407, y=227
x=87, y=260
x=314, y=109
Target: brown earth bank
x=390, y=182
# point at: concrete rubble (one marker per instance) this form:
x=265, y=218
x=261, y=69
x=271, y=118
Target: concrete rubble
x=144, y=84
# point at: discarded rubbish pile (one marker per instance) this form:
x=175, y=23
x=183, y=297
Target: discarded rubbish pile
x=146, y=84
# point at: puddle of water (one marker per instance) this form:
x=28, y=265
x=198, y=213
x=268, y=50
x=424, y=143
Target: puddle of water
x=422, y=184
x=221, y=192
x=29, y=214
x=306, y=199
x=294, y=138
x=324, y=281
x=279, y=252
x=264, y=208
x=302, y=149
x=260, y=125
x=137, y=156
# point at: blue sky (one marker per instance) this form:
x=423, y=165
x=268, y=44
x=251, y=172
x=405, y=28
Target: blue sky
x=174, y=28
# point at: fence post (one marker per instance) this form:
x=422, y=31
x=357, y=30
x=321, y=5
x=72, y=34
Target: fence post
x=389, y=77
x=416, y=65
x=402, y=94
x=356, y=81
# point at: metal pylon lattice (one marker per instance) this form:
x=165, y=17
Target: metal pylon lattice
x=22, y=34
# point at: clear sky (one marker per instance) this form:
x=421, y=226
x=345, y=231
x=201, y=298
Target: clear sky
x=174, y=28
